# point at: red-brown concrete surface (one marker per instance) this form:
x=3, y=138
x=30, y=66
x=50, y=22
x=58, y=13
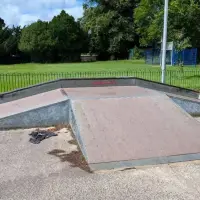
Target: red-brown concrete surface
x=47, y=98
x=101, y=92
x=135, y=128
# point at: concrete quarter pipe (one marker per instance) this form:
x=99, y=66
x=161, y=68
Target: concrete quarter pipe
x=116, y=127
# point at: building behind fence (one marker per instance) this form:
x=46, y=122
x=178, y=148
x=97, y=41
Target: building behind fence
x=187, y=79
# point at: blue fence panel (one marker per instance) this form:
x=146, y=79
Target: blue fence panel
x=154, y=57
x=174, y=58
x=188, y=56
x=148, y=57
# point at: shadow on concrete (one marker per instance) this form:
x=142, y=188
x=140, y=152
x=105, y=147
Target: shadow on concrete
x=75, y=158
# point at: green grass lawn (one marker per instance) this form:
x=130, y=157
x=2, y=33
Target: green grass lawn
x=75, y=67
x=126, y=65
x=23, y=75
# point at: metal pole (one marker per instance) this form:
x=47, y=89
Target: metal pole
x=164, y=42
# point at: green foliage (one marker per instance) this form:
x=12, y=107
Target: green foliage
x=2, y=23
x=37, y=41
x=148, y=21
x=4, y=41
x=67, y=35
x=9, y=38
x=138, y=53
x=111, y=26
x=183, y=19
x=181, y=43
x=58, y=40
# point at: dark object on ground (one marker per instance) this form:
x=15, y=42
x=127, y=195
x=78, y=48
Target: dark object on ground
x=39, y=135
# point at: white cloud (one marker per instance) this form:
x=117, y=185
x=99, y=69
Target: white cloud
x=23, y=12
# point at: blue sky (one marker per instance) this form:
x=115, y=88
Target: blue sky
x=23, y=12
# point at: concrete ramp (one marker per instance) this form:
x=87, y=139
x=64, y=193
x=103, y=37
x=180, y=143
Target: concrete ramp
x=44, y=109
x=115, y=126
x=126, y=132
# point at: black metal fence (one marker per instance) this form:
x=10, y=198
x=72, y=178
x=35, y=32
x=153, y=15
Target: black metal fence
x=182, y=78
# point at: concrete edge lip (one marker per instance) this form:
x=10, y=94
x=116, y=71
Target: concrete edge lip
x=190, y=106
x=144, y=162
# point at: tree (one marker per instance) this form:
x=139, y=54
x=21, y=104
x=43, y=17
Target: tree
x=4, y=35
x=11, y=44
x=9, y=39
x=59, y=40
x=181, y=43
x=182, y=21
x=4, y=41
x=36, y=40
x=2, y=23
x=68, y=37
x=96, y=23
x=111, y=25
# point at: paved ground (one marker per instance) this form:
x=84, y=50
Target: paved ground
x=43, y=172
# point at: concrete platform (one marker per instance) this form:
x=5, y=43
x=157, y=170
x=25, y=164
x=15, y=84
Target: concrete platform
x=116, y=127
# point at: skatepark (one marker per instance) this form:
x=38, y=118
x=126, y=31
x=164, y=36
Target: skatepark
x=117, y=123
x=119, y=139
